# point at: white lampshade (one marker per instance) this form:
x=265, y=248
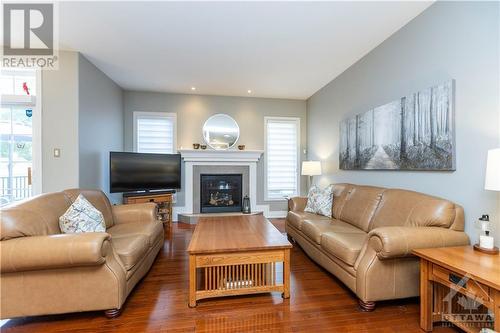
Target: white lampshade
x=492, y=180
x=311, y=168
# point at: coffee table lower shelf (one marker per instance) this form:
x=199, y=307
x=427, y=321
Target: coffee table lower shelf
x=238, y=273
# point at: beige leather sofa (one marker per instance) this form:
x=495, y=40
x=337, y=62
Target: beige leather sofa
x=46, y=272
x=368, y=242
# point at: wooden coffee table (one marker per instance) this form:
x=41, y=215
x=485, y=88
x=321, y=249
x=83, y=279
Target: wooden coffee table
x=237, y=255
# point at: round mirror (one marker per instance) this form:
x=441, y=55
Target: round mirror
x=220, y=131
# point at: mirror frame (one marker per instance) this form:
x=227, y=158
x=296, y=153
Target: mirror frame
x=213, y=116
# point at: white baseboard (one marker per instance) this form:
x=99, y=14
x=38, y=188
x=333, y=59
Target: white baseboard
x=276, y=214
x=176, y=211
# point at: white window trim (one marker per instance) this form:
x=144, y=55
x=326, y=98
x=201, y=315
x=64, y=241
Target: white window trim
x=19, y=99
x=297, y=120
x=155, y=115
x=37, y=138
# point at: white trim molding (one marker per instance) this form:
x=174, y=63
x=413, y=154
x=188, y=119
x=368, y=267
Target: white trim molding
x=37, y=138
x=277, y=214
x=295, y=120
x=171, y=115
x=192, y=155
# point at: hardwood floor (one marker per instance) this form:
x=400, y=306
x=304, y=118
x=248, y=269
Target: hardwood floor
x=159, y=303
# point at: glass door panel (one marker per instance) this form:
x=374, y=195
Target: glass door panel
x=16, y=156
x=18, y=89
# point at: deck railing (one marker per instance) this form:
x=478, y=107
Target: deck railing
x=16, y=190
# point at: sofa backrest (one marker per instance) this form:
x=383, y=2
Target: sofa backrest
x=98, y=199
x=408, y=208
x=37, y=216
x=340, y=192
x=357, y=205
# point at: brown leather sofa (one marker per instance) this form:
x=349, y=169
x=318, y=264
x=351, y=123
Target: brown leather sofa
x=367, y=243
x=46, y=272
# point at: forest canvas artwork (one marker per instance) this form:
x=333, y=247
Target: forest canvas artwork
x=414, y=132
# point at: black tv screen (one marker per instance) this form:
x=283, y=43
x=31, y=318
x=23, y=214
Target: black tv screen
x=144, y=172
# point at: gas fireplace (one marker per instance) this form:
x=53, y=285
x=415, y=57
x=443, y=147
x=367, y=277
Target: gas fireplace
x=220, y=193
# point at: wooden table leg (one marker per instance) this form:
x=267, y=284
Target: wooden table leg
x=426, y=296
x=286, y=274
x=192, y=280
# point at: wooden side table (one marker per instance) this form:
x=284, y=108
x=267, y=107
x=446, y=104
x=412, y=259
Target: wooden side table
x=460, y=286
x=163, y=201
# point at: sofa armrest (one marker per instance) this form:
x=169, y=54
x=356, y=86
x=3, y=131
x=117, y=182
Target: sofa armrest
x=54, y=251
x=396, y=242
x=297, y=204
x=142, y=212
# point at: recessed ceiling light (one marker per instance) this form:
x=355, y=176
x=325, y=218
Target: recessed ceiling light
x=193, y=88
x=249, y=91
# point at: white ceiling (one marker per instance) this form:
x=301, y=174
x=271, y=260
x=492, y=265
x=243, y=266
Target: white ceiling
x=276, y=49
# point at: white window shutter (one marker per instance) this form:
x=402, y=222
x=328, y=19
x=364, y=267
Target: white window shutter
x=155, y=133
x=282, y=145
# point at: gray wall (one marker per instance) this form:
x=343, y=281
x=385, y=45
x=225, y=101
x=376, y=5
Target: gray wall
x=82, y=114
x=450, y=40
x=100, y=126
x=193, y=110
x=60, y=124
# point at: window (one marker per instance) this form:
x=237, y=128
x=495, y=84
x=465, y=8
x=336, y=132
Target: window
x=20, y=125
x=282, y=157
x=18, y=82
x=154, y=132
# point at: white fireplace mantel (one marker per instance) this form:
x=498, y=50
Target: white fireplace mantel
x=212, y=157
x=201, y=155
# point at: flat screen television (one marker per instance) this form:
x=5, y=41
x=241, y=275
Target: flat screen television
x=144, y=172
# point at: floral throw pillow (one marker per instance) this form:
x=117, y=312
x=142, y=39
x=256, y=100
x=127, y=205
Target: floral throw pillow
x=320, y=201
x=81, y=216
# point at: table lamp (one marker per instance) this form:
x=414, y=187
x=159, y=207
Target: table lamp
x=311, y=168
x=492, y=180
x=491, y=183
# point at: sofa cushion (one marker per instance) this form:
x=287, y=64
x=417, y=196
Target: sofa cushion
x=343, y=245
x=313, y=229
x=360, y=206
x=413, y=209
x=97, y=198
x=340, y=193
x=81, y=216
x=296, y=218
x=319, y=201
x=37, y=216
x=152, y=230
x=131, y=249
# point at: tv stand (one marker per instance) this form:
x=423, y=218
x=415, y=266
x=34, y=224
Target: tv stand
x=147, y=193
x=163, y=199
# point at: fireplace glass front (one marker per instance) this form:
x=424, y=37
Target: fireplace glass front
x=220, y=193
